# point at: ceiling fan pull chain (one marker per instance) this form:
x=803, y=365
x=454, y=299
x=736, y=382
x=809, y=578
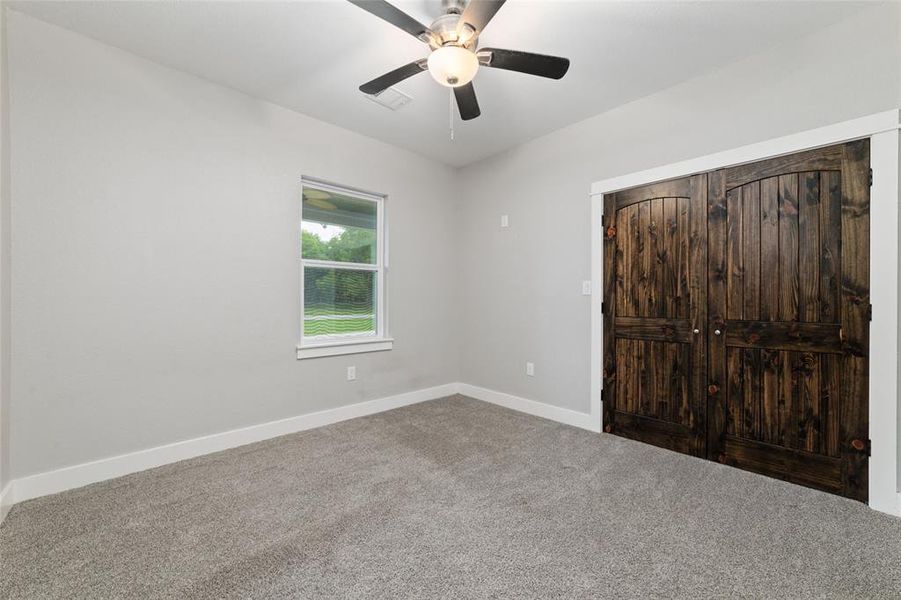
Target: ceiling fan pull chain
x=450, y=112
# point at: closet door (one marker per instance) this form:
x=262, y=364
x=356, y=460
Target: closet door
x=655, y=314
x=789, y=317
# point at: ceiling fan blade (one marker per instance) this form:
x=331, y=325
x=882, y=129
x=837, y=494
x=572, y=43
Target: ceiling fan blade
x=477, y=14
x=380, y=84
x=542, y=65
x=466, y=102
x=395, y=16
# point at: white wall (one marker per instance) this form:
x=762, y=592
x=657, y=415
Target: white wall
x=522, y=286
x=154, y=243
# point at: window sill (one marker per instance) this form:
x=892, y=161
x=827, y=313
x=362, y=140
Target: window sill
x=337, y=348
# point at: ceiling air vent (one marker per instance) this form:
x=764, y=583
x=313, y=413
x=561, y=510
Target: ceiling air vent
x=391, y=98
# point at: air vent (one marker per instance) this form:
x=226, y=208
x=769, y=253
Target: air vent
x=391, y=98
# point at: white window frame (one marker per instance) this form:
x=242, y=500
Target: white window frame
x=313, y=347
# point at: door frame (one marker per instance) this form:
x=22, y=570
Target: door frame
x=885, y=372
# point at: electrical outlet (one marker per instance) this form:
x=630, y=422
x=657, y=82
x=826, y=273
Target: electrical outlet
x=505, y=221
x=351, y=373
x=530, y=369
x=586, y=287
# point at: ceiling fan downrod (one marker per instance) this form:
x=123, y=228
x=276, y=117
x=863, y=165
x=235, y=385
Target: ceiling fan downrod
x=453, y=7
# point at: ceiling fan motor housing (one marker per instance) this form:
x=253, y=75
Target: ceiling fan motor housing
x=444, y=33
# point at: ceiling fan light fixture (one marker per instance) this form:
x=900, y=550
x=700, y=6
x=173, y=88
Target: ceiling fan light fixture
x=453, y=66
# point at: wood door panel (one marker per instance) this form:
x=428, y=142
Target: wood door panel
x=654, y=381
x=751, y=226
x=781, y=335
x=778, y=266
x=830, y=215
x=789, y=293
x=661, y=329
x=789, y=270
x=854, y=302
x=675, y=188
x=769, y=248
x=783, y=398
x=717, y=298
x=651, y=259
x=821, y=159
x=646, y=260
x=811, y=470
x=654, y=360
x=736, y=316
x=664, y=434
x=809, y=247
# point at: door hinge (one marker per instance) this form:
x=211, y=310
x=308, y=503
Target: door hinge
x=869, y=312
x=871, y=177
x=603, y=307
x=863, y=446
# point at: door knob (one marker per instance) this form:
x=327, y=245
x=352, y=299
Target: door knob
x=717, y=332
x=696, y=331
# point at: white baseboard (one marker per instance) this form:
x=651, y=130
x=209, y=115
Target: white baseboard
x=538, y=409
x=60, y=480
x=52, y=482
x=76, y=476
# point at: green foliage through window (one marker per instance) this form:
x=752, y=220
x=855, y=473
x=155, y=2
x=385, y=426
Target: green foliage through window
x=351, y=245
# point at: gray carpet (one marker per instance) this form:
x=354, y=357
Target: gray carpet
x=447, y=499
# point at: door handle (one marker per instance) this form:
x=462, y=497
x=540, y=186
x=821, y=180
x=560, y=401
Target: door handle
x=696, y=331
x=717, y=332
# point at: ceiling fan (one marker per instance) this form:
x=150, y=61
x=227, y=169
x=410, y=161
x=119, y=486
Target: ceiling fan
x=455, y=56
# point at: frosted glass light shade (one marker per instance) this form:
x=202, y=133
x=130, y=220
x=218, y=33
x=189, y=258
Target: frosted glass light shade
x=453, y=66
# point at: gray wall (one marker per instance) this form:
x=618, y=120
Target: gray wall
x=522, y=286
x=155, y=248
x=4, y=261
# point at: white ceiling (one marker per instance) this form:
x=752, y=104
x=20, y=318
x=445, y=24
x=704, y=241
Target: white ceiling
x=312, y=56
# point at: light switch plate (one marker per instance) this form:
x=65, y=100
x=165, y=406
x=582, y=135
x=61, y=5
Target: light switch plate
x=505, y=220
x=586, y=287
x=351, y=373
x=530, y=369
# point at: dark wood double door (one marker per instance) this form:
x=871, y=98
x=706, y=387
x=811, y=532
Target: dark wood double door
x=736, y=316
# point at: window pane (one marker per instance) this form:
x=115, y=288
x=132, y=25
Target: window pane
x=338, y=302
x=339, y=228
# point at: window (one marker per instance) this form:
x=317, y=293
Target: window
x=342, y=256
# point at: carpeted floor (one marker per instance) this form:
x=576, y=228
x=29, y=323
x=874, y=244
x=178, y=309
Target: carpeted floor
x=448, y=499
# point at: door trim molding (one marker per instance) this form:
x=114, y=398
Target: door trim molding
x=883, y=130
x=845, y=131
